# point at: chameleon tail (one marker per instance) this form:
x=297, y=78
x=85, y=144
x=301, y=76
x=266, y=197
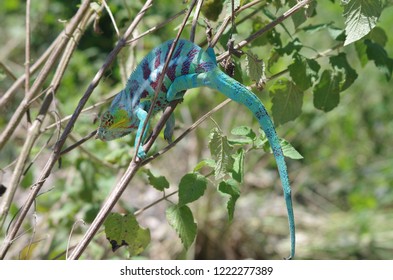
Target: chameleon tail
x=234, y=90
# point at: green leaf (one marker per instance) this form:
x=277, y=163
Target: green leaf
x=229, y=6
x=293, y=46
x=299, y=18
x=244, y=131
x=238, y=166
x=327, y=90
x=289, y=151
x=377, y=53
x=287, y=101
x=191, y=187
x=303, y=71
x=211, y=9
x=231, y=188
x=182, y=220
x=221, y=151
x=360, y=18
x=287, y=148
x=240, y=141
x=361, y=50
x=312, y=28
x=160, y=183
x=255, y=68
x=274, y=56
x=124, y=230
x=206, y=162
x=337, y=34
x=340, y=62
x=378, y=35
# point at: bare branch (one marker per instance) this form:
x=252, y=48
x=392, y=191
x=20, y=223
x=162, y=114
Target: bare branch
x=158, y=26
x=34, y=130
x=27, y=55
x=195, y=20
x=36, y=87
x=45, y=173
x=111, y=16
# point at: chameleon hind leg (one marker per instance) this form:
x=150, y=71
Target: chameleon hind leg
x=169, y=128
x=185, y=82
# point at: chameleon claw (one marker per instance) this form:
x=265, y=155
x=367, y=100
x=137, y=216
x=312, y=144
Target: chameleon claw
x=141, y=153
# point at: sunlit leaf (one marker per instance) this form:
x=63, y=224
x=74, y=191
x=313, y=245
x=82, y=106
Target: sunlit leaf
x=360, y=18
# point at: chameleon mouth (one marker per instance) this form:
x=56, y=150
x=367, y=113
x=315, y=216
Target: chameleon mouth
x=98, y=136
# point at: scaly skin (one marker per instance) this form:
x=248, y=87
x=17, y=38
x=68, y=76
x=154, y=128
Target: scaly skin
x=190, y=67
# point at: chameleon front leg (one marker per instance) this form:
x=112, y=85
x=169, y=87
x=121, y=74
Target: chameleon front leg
x=141, y=115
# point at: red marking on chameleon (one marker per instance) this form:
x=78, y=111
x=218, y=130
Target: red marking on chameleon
x=144, y=94
x=177, y=51
x=155, y=84
x=190, y=56
x=146, y=69
x=203, y=67
x=171, y=72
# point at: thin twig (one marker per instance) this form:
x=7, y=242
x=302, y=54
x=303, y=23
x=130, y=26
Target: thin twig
x=158, y=26
x=27, y=56
x=7, y=71
x=80, y=221
x=165, y=197
x=195, y=20
x=111, y=16
x=92, y=107
x=78, y=143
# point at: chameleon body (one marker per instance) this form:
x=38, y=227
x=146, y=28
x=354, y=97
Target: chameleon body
x=189, y=67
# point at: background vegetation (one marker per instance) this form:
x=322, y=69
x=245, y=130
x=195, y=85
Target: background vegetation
x=331, y=102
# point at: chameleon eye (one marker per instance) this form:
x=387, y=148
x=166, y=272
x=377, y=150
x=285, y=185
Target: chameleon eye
x=107, y=119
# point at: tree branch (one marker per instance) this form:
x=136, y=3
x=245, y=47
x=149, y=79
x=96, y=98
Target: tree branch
x=57, y=148
x=36, y=87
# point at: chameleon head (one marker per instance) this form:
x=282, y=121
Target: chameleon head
x=115, y=125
